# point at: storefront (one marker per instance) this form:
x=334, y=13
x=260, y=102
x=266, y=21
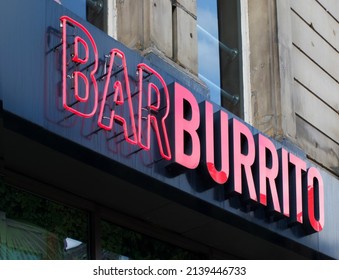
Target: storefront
x=109, y=154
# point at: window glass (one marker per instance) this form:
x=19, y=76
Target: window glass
x=35, y=228
x=219, y=45
x=119, y=243
x=230, y=56
x=208, y=46
x=219, y=57
x=91, y=10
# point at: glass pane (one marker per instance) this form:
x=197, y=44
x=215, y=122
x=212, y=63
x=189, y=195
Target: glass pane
x=91, y=10
x=219, y=61
x=208, y=47
x=230, y=55
x=35, y=228
x=95, y=13
x=119, y=244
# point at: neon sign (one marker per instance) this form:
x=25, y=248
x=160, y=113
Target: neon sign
x=200, y=135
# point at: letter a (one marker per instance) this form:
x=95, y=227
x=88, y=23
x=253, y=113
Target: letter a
x=120, y=94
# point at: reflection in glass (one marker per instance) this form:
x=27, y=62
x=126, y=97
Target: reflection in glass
x=35, y=228
x=90, y=10
x=219, y=45
x=208, y=46
x=119, y=244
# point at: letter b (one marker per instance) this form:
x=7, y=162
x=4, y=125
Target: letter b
x=187, y=121
x=79, y=86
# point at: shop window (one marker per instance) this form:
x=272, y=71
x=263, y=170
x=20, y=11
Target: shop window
x=32, y=227
x=119, y=243
x=219, y=52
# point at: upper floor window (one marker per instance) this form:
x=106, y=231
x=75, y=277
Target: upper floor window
x=219, y=43
x=219, y=52
x=91, y=10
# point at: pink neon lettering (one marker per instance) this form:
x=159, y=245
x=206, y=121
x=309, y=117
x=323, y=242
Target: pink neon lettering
x=151, y=109
x=187, y=153
x=268, y=174
x=244, y=156
x=279, y=180
x=72, y=101
x=299, y=167
x=285, y=186
x=120, y=93
x=315, y=211
x=220, y=176
x=78, y=40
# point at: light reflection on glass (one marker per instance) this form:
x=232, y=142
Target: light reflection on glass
x=208, y=47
